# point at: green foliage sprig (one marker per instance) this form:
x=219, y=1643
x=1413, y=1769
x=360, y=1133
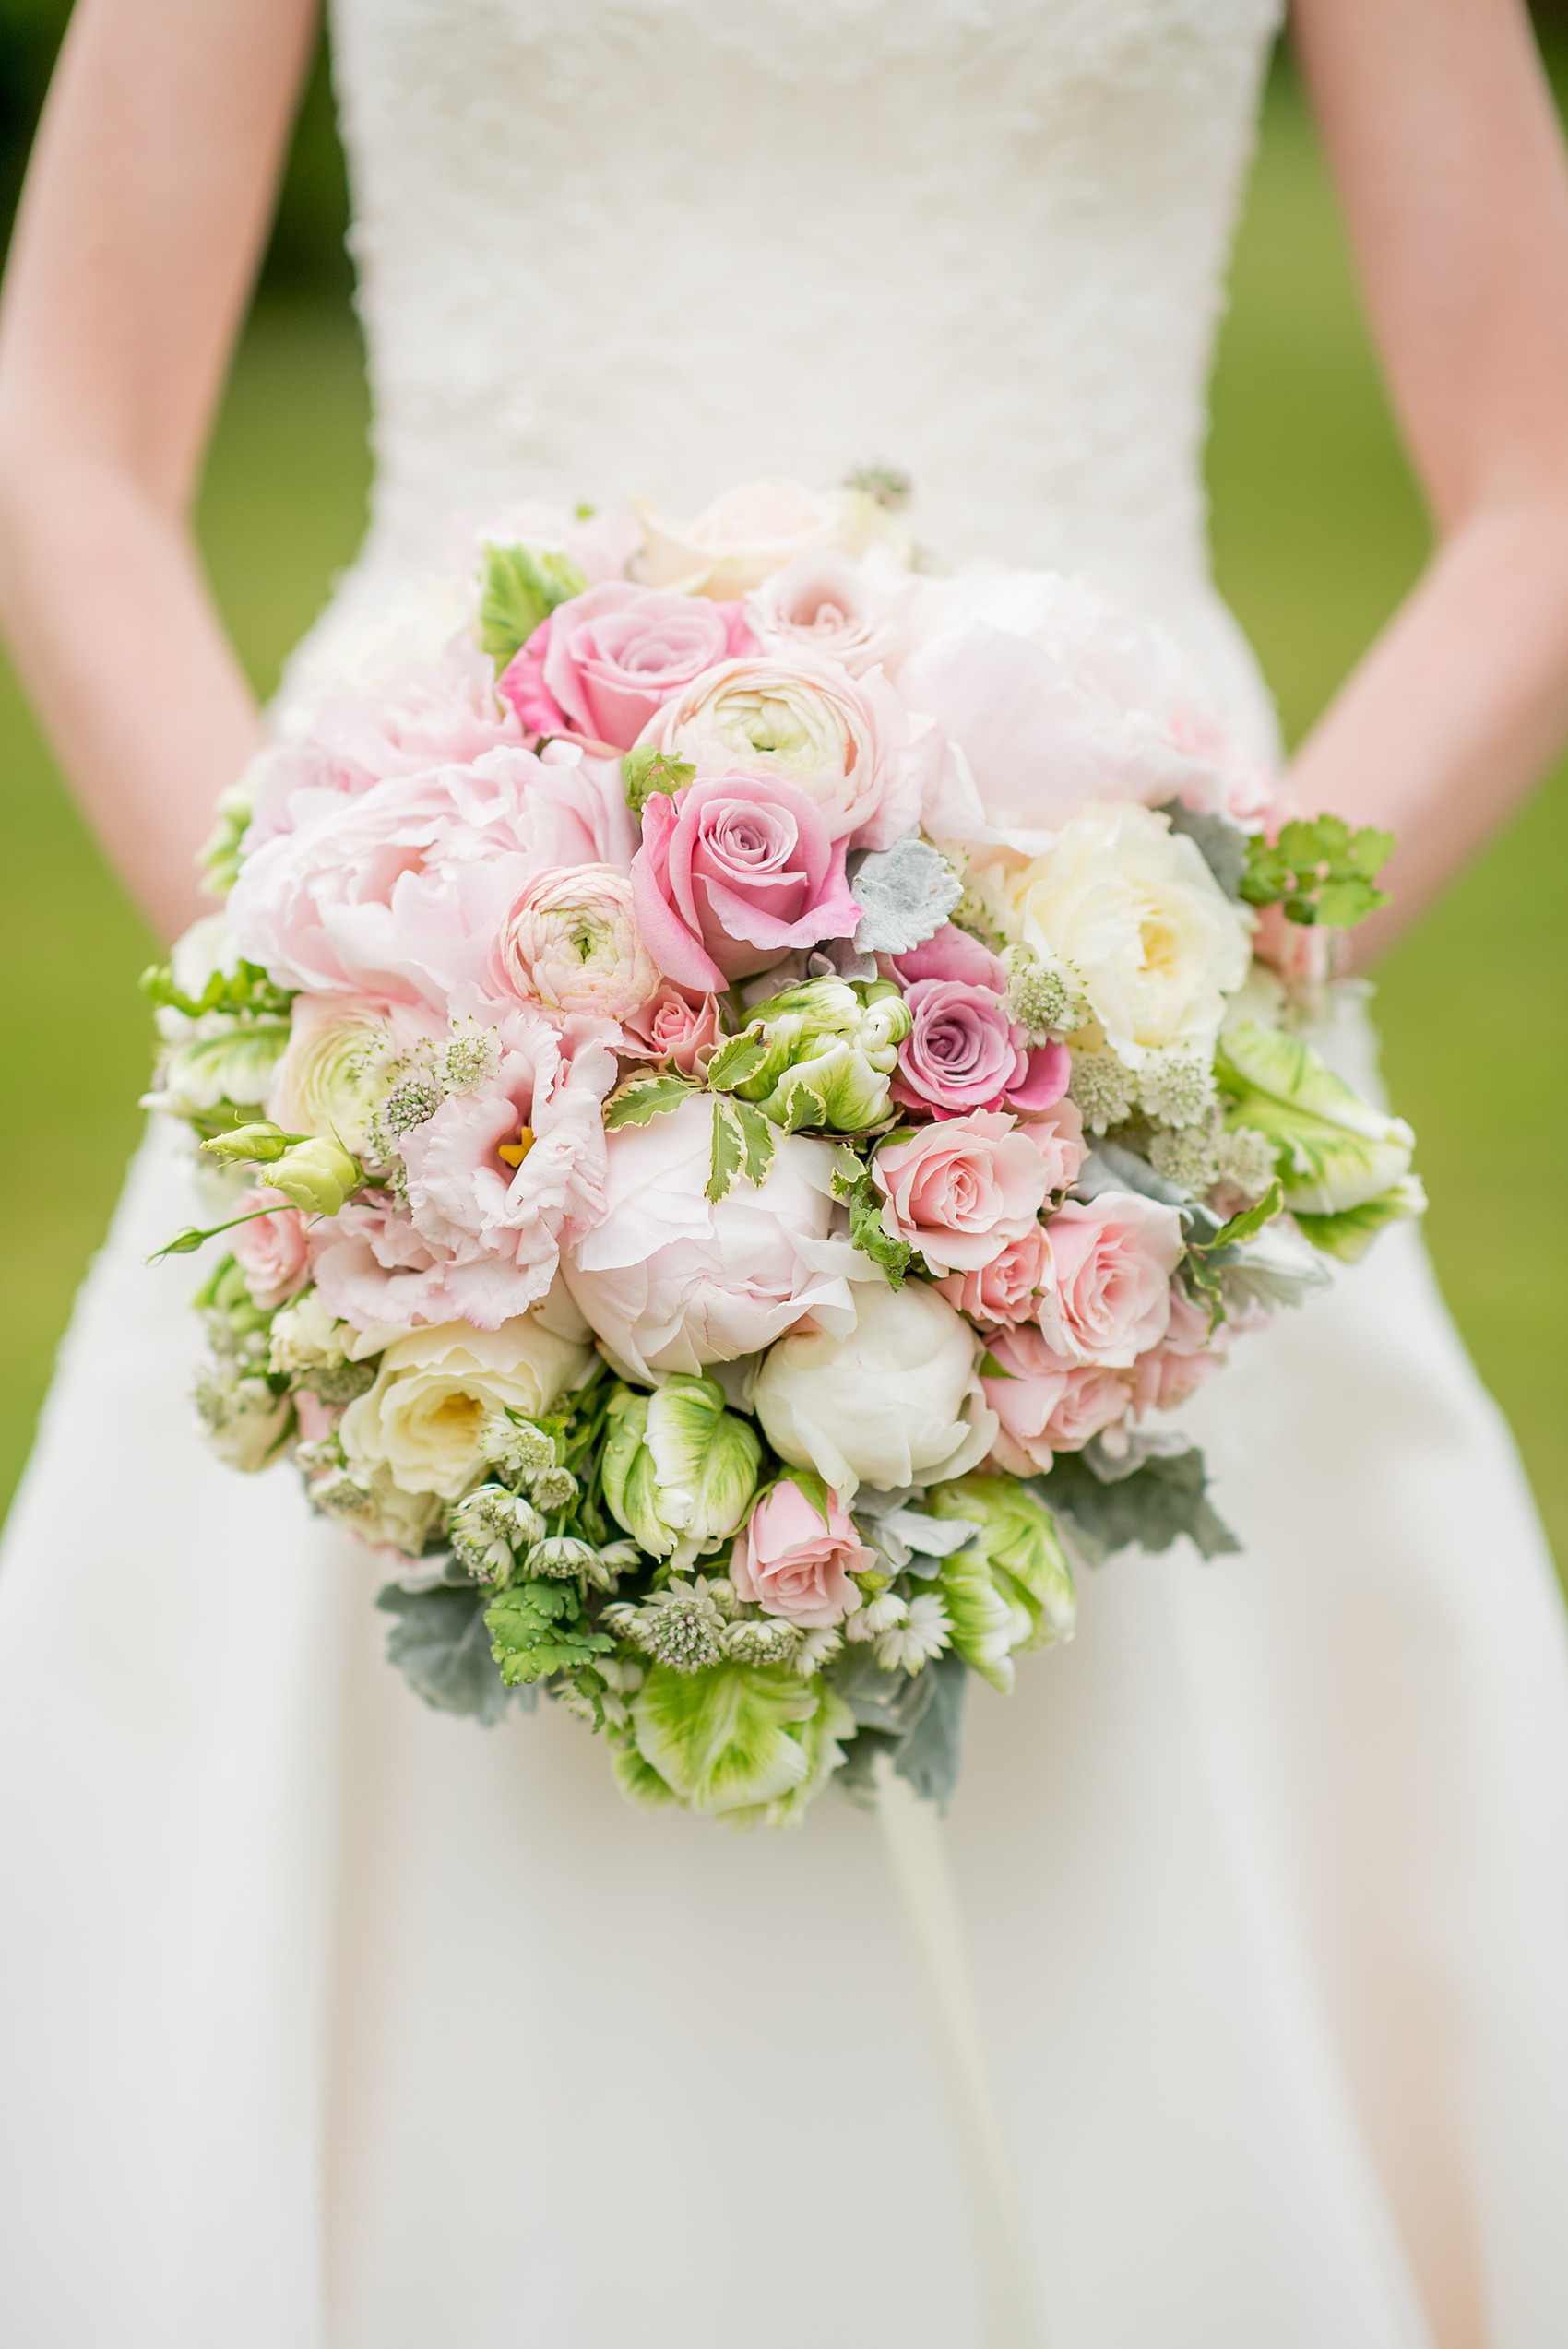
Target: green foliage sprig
x=1320, y=872
x=245, y=989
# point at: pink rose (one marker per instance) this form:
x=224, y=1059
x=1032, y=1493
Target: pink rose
x=607, y=662
x=960, y=1190
x=1059, y=1138
x=825, y=603
x=964, y=1052
x=1175, y=1370
x=791, y=1562
x=672, y=1029
x=732, y=872
x=952, y=954
x=571, y=944
x=317, y=1420
x=1046, y=1405
x=1008, y=1290
x=271, y=1250
x=400, y=894
x=1112, y=1262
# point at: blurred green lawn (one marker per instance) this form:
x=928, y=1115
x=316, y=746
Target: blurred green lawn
x=1317, y=532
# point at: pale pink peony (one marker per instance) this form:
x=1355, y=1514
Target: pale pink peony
x=789, y=1562
x=848, y=743
x=606, y=662
x=1175, y=1370
x=1058, y=1135
x=571, y=944
x=670, y=1281
x=960, y=1190
x=1009, y=1289
x=271, y=1250
x=1046, y=1405
x=734, y=872
x=1112, y=1260
x=400, y=894
x=673, y=1030
x=826, y=605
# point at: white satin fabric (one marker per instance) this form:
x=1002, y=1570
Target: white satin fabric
x=330, y=2023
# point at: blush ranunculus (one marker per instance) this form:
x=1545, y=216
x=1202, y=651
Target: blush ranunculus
x=672, y=1029
x=1044, y=1405
x=271, y=1250
x=607, y=662
x=1009, y=1289
x=733, y=872
x=791, y=1561
x=571, y=944
x=1112, y=1261
x=830, y=607
x=959, y=1190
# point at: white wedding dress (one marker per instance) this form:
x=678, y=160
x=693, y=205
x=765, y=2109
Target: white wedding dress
x=328, y=2021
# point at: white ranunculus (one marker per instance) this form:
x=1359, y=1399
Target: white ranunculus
x=898, y=1401
x=335, y=1072
x=672, y=1282
x=1133, y=912
x=735, y=543
x=435, y=1387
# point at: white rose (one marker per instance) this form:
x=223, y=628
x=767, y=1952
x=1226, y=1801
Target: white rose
x=1133, y=912
x=421, y=1418
x=752, y=531
x=897, y=1402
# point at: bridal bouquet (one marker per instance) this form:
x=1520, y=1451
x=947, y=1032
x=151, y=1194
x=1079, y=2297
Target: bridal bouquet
x=750, y=1078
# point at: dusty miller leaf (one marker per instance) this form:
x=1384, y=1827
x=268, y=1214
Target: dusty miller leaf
x=905, y=893
x=441, y=1646
x=1158, y=1503
x=1221, y=844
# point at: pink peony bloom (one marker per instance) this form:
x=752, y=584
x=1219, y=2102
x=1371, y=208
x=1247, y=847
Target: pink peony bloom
x=1175, y=1370
x=605, y=663
x=271, y=1250
x=826, y=605
x=1009, y=1289
x=1046, y=1405
x=401, y=893
x=571, y=944
x=964, y=1052
x=1058, y=1135
x=673, y=1030
x=958, y=1192
x=732, y=872
x=848, y=743
x=1112, y=1262
x=790, y=1563
x=670, y=1281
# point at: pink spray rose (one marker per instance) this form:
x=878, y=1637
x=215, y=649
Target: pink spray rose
x=606, y=662
x=791, y=1562
x=960, y=1190
x=673, y=1029
x=1046, y=1405
x=1175, y=1370
x=965, y=1052
x=571, y=944
x=1112, y=1262
x=732, y=872
x=1009, y=1289
x=400, y=894
x=1058, y=1135
x=271, y=1250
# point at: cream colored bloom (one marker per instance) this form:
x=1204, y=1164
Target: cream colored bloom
x=739, y=540
x=333, y=1074
x=1133, y=912
x=435, y=1389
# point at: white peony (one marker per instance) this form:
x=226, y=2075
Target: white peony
x=421, y=1418
x=1133, y=912
x=898, y=1401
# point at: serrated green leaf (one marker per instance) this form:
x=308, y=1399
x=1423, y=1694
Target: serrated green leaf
x=760, y=1138
x=726, y=1153
x=1319, y=870
x=537, y=1629
x=643, y=1097
x=522, y=587
x=645, y=771
x=867, y=1232
x=1243, y=1227
x=737, y=1058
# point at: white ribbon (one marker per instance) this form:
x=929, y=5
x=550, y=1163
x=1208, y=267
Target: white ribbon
x=917, y=1847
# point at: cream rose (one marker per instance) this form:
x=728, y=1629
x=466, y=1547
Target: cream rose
x=421, y=1418
x=735, y=543
x=1132, y=911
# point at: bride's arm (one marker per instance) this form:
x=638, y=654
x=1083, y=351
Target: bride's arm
x=1446, y=149
x=146, y=204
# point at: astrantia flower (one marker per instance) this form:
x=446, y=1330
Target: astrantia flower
x=926, y=1629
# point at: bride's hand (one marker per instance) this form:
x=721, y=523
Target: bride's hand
x=1446, y=149
x=145, y=208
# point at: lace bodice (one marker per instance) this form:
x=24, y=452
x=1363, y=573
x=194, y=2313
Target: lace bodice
x=610, y=247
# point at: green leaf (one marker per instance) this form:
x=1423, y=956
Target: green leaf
x=760, y=1138
x=642, y=1097
x=1243, y=1227
x=246, y=988
x=538, y=1629
x=645, y=771
x=441, y=1645
x=522, y=587
x=737, y=1058
x=929, y=1755
x=728, y=1150
x=1319, y=870
x=867, y=1233
x=811, y=1487
x=1162, y=1500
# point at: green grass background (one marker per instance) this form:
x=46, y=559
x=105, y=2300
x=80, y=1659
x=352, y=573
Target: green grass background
x=1317, y=532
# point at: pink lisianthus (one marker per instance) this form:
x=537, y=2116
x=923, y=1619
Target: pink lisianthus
x=965, y=1052
x=1046, y=1405
x=848, y=743
x=1058, y=1135
x=1175, y=1370
x=960, y=1190
x=606, y=662
x=1112, y=1261
x=400, y=894
x=271, y=1250
x=673, y=1030
x=571, y=944
x=1009, y=1289
x=792, y=1562
x=734, y=872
